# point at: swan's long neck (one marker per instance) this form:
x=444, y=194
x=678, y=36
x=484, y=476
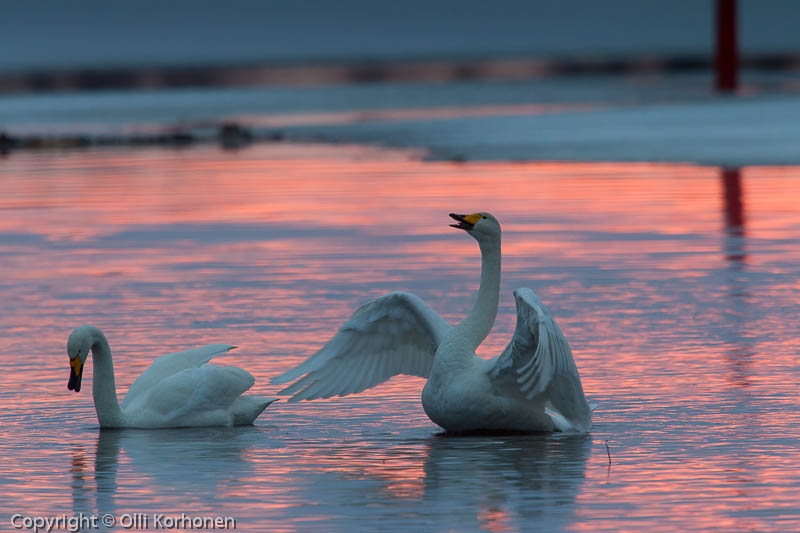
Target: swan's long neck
x=479, y=321
x=104, y=387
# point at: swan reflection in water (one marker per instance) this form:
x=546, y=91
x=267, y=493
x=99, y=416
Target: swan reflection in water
x=441, y=482
x=200, y=462
x=446, y=482
x=514, y=480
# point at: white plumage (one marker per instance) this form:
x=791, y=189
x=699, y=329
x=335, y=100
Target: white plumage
x=533, y=385
x=178, y=390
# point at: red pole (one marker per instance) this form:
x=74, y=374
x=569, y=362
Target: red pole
x=727, y=54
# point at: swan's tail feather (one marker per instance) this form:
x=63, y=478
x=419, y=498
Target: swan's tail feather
x=560, y=423
x=564, y=424
x=247, y=408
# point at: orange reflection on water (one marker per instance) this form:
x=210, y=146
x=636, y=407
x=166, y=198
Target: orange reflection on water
x=312, y=189
x=494, y=518
x=302, y=190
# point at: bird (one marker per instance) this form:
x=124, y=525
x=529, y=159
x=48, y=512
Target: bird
x=532, y=386
x=178, y=390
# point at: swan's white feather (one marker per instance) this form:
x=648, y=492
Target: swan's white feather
x=397, y=333
x=539, y=360
x=202, y=396
x=170, y=364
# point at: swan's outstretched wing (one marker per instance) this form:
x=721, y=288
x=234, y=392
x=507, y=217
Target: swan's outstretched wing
x=170, y=364
x=396, y=334
x=538, y=361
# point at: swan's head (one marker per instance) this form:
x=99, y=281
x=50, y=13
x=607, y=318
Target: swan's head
x=79, y=344
x=481, y=226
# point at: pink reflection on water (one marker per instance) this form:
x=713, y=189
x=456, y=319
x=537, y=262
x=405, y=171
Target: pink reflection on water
x=675, y=284
x=347, y=117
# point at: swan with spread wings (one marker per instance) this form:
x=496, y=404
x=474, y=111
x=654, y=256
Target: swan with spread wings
x=533, y=385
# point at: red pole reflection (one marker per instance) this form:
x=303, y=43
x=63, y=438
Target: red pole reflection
x=734, y=213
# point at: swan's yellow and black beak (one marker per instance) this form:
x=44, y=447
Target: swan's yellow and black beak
x=465, y=222
x=75, y=373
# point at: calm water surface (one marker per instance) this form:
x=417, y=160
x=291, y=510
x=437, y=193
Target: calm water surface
x=678, y=287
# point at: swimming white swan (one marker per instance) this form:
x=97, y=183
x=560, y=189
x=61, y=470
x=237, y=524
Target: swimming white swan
x=178, y=390
x=532, y=386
